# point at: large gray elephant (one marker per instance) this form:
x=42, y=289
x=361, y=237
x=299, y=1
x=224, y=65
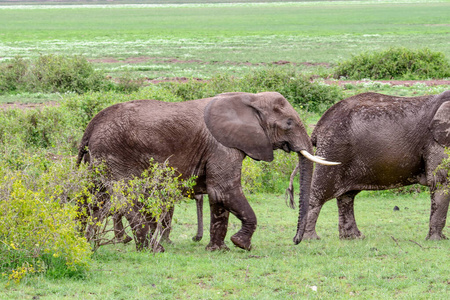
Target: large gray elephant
x=383, y=142
x=207, y=138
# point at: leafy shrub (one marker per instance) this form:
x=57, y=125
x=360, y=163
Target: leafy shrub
x=13, y=76
x=296, y=88
x=50, y=127
x=51, y=73
x=264, y=177
x=38, y=232
x=395, y=63
x=154, y=193
x=54, y=73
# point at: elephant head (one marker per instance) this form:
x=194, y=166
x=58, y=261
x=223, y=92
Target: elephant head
x=257, y=124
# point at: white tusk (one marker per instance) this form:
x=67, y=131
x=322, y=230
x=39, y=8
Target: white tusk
x=318, y=159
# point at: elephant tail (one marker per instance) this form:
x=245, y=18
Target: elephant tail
x=82, y=150
x=290, y=190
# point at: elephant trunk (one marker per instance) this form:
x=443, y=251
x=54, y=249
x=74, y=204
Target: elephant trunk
x=306, y=170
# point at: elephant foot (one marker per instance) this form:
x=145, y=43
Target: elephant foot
x=353, y=235
x=241, y=242
x=197, y=238
x=312, y=235
x=436, y=237
x=217, y=247
x=158, y=249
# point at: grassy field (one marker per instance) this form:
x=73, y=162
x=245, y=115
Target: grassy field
x=392, y=262
x=198, y=40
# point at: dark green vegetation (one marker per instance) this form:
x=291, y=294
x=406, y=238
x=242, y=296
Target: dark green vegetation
x=395, y=63
x=231, y=48
x=57, y=74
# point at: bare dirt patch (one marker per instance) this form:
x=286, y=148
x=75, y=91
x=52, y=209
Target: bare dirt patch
x=161, y=60
x=23, y=106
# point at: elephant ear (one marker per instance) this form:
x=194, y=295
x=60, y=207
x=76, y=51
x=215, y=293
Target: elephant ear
x=440, y=125
x=235, y=122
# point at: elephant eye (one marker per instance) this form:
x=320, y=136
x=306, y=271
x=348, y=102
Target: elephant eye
x=288, y=124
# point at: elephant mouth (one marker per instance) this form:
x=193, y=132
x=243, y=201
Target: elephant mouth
x=285, y=146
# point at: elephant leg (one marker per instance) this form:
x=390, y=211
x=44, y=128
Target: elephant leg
x=218, y=227
x=119, y=230
x=438, y=216
x=315, y=205
x=167, y=226
x=240, y=207
x=199, y=204
x=347, y=222
x=313, y=215
x=141, y=230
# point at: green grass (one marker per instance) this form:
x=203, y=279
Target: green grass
x=234, y=38
x=393, y=261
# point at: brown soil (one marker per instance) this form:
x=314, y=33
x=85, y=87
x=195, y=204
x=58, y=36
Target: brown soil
x=10, y=105
x=143, y=59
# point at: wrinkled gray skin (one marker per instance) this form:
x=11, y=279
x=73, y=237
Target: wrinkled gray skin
x=383, y=142
x=199, y=204
x=207, y=138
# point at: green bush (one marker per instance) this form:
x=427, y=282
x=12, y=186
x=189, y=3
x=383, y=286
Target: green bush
x=13, y=76
x=264, y=177
x=395, y=63
x=51, y=127
x=296, y=88
x=51, y=73
x=154, y=193
x=38, y=232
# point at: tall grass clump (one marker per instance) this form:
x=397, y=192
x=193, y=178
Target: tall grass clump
x=395, y=63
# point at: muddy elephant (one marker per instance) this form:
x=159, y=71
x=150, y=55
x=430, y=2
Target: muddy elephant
x=207, y=138
x=383, y=142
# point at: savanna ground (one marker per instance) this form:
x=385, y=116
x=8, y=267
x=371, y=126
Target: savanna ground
x=199, y=41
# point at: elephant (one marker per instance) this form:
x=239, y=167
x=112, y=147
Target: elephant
x=207, y=138
x=383, y=142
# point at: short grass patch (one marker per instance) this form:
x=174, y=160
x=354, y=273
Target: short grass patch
x=393, y=261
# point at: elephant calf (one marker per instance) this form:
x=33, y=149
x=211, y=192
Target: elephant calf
x=207, y=138
x=383, y=142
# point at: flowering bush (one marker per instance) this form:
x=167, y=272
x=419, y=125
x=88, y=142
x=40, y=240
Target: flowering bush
x=38, y=232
